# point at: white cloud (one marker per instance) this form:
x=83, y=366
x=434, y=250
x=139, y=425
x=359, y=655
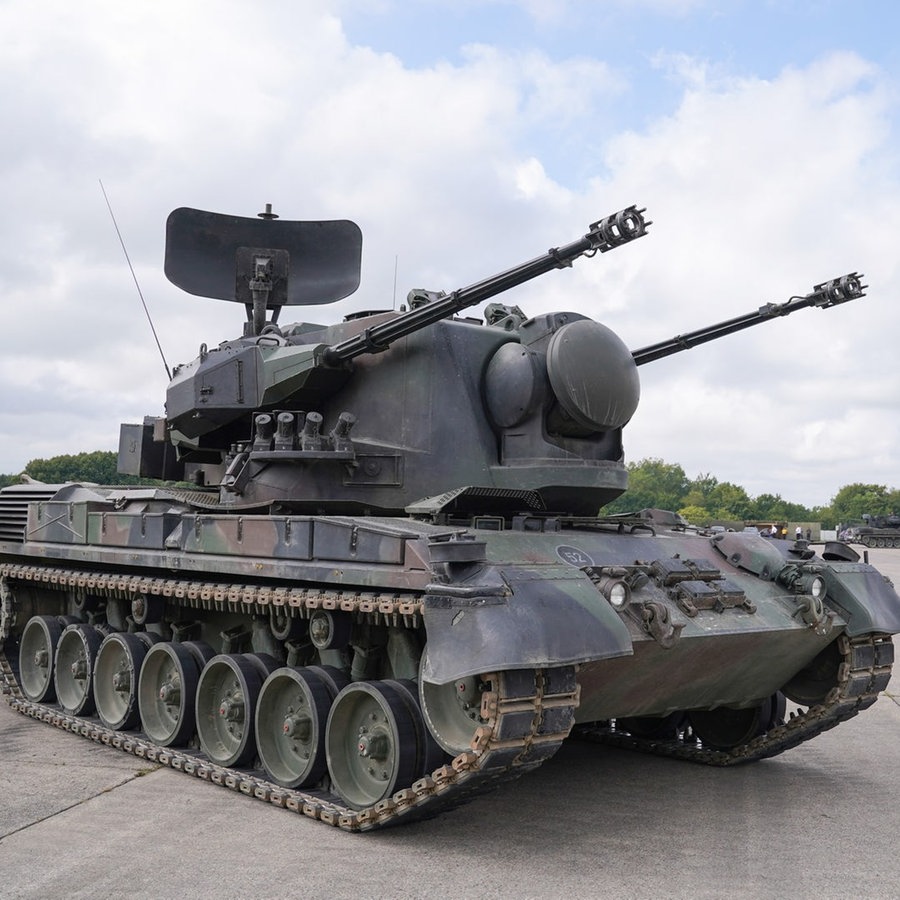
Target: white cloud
x=759, y=189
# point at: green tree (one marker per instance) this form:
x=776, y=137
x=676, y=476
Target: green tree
x=98, y=467
x=696, y=515
x=652, y=483
x=853, y=501
x=655, y=483
x=823, y=514
x=704, y=484
x=797, y=512
x=700, y=490
x=773, y=508
x=728, y=501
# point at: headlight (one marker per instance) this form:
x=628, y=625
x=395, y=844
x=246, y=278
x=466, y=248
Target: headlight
x=803, y=581
x=617, y=593
x=817, y=588
x=616, y=583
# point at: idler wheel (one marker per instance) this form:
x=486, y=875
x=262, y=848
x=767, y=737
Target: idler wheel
x=452, y=711
x=73, y=668
x=291, y=717
x=37, y=650
x=116, y=674
x=167, y=687
x=812, y=684
x=227, y=695
x=725, y=728
x=371, y=743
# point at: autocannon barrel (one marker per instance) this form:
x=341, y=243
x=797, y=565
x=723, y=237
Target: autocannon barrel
x=825, y=295
x=604, y=235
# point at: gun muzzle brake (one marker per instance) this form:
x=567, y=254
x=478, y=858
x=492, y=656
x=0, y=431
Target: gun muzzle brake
x=619, y=228
x=839, y=290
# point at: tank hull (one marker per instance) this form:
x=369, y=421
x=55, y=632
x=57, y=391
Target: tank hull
x=877, y=537
x=476, y=650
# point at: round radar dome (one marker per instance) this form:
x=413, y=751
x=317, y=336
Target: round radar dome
x=593, y=375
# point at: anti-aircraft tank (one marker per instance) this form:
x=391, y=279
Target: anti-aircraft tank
x=877, y=531
x=371, y=579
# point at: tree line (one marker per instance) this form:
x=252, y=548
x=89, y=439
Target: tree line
x=705, y=499
x=651, y=483
x=98, y=467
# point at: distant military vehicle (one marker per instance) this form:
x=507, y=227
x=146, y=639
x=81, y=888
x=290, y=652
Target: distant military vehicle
x=877, y=531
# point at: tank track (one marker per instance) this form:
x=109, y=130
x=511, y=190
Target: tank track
x=526, y=714
x=517, y=734
x=864, y=671
x=879, y=542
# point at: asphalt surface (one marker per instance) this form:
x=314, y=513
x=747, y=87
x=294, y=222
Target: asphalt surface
x=823, y=820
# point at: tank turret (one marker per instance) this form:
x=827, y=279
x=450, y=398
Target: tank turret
x=369, y=414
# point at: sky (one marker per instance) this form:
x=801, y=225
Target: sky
x=465, y=136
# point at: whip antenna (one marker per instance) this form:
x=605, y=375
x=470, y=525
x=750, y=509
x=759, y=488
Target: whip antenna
x=140, y=293
x=394, y=301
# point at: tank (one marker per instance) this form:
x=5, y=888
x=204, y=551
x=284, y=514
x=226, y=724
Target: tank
x=877, y=531
x=370, y=576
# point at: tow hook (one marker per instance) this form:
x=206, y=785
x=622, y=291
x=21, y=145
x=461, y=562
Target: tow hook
x=657, y=622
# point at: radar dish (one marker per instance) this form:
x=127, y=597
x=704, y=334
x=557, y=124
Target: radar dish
x=202, y=251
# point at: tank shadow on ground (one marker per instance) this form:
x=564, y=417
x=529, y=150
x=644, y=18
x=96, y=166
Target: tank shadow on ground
x=592, y=822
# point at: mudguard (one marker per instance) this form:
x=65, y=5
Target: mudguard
x=864, y=597
x=546, y=618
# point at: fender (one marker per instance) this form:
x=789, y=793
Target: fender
x=543, y=618
x=863, y=596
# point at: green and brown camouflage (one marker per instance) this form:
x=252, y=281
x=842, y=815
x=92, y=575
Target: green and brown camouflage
x=383, y=583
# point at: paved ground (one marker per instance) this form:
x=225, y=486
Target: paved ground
x=823, y=820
